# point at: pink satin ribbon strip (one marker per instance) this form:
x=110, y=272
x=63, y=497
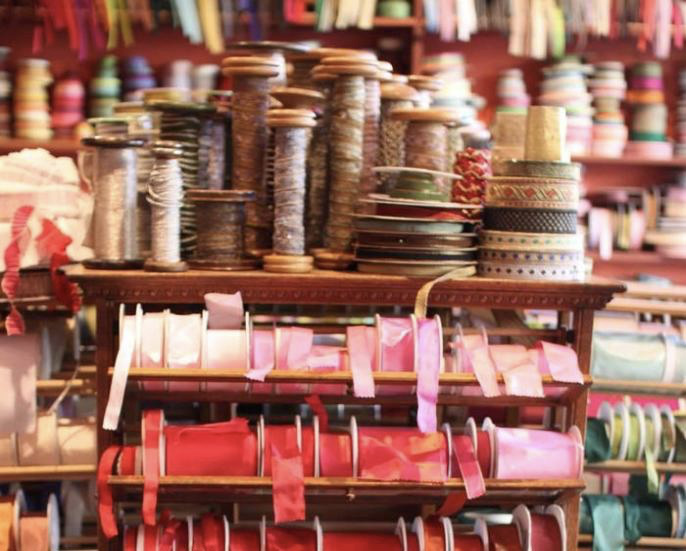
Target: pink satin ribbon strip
x=361, y=342
x=470, y=471
x=227, y=349
x=560, y=361
x=475, y=358
x=522, y=377
x=293, y=347
x=262, y=360
x=397, y=351
x=430, y=356
x=325, y=359
x=225, y=311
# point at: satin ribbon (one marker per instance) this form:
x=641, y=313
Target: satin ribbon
x=412, y=542
x=470, y=470
x=227, y=349
x=434, y=535
x=152, y=345
x=430, y=357
x=283, y=461
x=77, y=441
x=108, y=522
x=560, y=361
x=295, y=539
x=127, y=342
x=467, y=542
x=361, y=342
x=183, y=347
x=174, y=536
x=34, y=533
x=130, y=536
x=127, y=460
x=392, y=453
x=397, y=350
x=225, y=311
x=545, y=533
x=40, y=447
x=356, y=541
x=522, y=377
x=6, y=522
x=477, y=359
x=208, y=533
x=536, y=454
x=503, y=537
x=293, y=346
x=150, y=537
x=20, y=235
x=335, y=455
x=262, y=360
x=244, y=540
x=325, y=359
x=607, y=520
x=483, y=451
x=153, y=421
x=597, y=444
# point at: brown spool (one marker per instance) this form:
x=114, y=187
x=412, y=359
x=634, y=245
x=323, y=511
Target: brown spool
x=268, y=49
x=220, y=218
x=394, y=96
x=426, y=86
x=298, y=98
x=250, y=103
x=304, y=62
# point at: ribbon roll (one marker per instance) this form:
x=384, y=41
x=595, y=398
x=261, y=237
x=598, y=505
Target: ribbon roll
x=503, y=537
x=152, y=425
x=521, y=374
x=244, y=540
x=294, y=539
x=361, y=341
x=281, y=437
x=483, y=452
x=325, y=359
x=432, y=536
x=77, y=441
x=537, y=454
x=545, y=533
x=293, y=346
x=393, y=453
x=6, y=523
x=129, y=461
x=262, y=360
x=152, y=347
x=429, y=367
x=174, y=536
x=40, y=447
x=357, y=541
x=183, y=342
x=225, y=311
x=34, y=533
x=560, y=361
x=151, y=536
x=397, y=350
x=227, y=349
x=130, y=536
x=474, y=357
x=335, y=454
x=412, y=542
x=597, y=443
x=208, y=533
x=467, y=542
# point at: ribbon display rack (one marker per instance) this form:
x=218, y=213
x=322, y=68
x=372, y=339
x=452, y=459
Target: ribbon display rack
x=574, y=302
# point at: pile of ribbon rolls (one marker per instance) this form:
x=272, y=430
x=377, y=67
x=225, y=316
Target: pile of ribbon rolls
x=541, y=529
x=291, y=453
x=29, y=531
x=224, y=337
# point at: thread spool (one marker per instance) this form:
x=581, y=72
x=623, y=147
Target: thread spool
x=165, y=194
x=221, y=217
x=426, y=87
x=304, y=62
x=275, y=51
x=291, y=133
x=250, y=103
x=546, y=131
x=108, y=165
x=509, y=135
x=221, y=99
x=370, y=135
x=346, y=140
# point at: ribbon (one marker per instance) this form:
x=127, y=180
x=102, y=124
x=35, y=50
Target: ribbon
x=412, y=542
x=153, y=421
x=130, y=535
x=127, y=460
x=325, y=359
x=293, y=346
x=361, y=342
x=470, y=470
x=20, y=234
x=318, y=409
x=262, y=359
x=393, y=453
x=211, y=533
x=225, y=311
x=607, y=521
x=108, y=522
x=174, y=535
x=183, y=347
x=477, y=360
x=355, y=541
x=483, y=451
x=597, y=444
x=397, y=350
x=434, y=535
x=560, y=361
x=227, y=349
x=6, y=521
x=34, y=533
x=294, y=539
x=545, y=533
x=536, y=454
x=152, y=347
x=120, y=376
x=335, y=454
x=52, y=243
x=467, y=542
x=244, y=540
x=218, y=441
x=284, y=463
x=503, y=537
x=452, y=504
x=150, y=534
x=430, y=357
x=522, y=377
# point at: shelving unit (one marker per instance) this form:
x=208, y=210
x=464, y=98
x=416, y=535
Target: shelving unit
x=47, y=472
x=664, y=543
x=575, y=301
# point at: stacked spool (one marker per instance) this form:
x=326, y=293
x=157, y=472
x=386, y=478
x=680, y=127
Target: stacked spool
x=68, y=97
x=416, y=230
x=648, y=131
x=509, y=135
x=564, y=85
x=454, y=90
x=608, y=87
x=31, y=107
x=104, y=88
x=530, y=215
x=669, y=237
x=220, y=151
x=137, y=75
x=5, y=95
x=178, y=74
x=680, y=146
x=511, y=92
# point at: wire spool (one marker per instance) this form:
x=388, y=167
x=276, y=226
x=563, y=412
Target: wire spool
x=346, y=139
x=165, y=194
x=250, y=103
x=221, y=218
x=108, y=165
x=291, y=132
x=426, y=87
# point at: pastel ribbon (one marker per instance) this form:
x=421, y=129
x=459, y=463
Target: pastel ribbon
x=522, y=377
x=536, y=454
x=361, y=342
x=152, y=347
x=560, y=361
x=545, y=533
x=121, y=374
x=77, y=441
x=392, y=453
x=227, y=349
x=152, y=424
x=183, y=347
x=397, y=350
x=430, y=357
x=20, y=356
x=503, y=537
x=262, y=359
x=295, y=539
x=607, y=518
x=477, y=360
x=325, y=359
x=469, y=466
x=225, y=311
x=293, y=346
x=335, y=454
x=40, y=447
x=108, y=522
x=34, y=533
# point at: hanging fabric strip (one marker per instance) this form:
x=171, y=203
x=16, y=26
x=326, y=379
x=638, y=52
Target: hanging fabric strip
x=361, y=343
x=153, y=421
x=225, y=311
x=430, y=356
x=108, y=522
x=608, y=522
x=522, y=377
x=20, y=235
x=115, y=400
x=560, y=361
x=469, y=466
x=478, y=360
x=211, y=25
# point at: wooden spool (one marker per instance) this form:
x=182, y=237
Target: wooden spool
x=304, y=62
x=297, y=98
x=272, y=50
x=426, y=86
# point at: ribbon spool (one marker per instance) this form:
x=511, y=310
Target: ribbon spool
x=499, y=537
x=482, y=445
x=11, y=508
x=370, y=134
x=464, y=542
x=273, y=51
x=353, y=540
x=39, y=532
x=281, y=437
x=249, y=137
x=274, y=538
x=108, y=165
x=392, y=132
x=426, y=86
x=338, y=452
x=541, y=531
x=431, y=535
x=546, y=130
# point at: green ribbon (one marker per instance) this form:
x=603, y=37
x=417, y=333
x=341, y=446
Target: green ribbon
x=618, y=430
x=666, y=439
x=634, y=438
x=608, y=522
x=647, y=136
x=680, y=455
x=597, y=445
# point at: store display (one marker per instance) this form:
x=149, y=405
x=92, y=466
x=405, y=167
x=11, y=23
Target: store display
x=104, y=88
x=608, y=87
x=512, y=94
x=453, y=88
x=30, y=96
x=474, y=167
x=136, y=75
x=669, y=232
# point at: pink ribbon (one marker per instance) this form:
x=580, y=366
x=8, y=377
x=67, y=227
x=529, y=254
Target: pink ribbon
x=262, y=356
x=361, y=341
x=430, y=354
x=477, y=359
x=397, y=350
x=522, y=377
x=184, y=338
x=225, y=311
x=20, y=236
x=464, y=452
x=293, y=349
x=324, y=359
x=560, y=361
x=227, y=349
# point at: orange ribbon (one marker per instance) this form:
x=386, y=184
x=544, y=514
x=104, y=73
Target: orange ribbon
x=34, y=533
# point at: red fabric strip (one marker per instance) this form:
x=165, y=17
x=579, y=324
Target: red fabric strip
x=434, y=535
x=169, y=535
x=280, y=437
x=308, y=450
x=483, y=452
x=288, y=483
x=361, y=541
x=10, y=280
x=127, y=460
x=294, y=539
x=453, y=504
x=108, y=522
x=315, y=403
x=503, y=537
x=335, y=454
x=467, y=542
x=412, y=542
x=470, y=471
x=212, y=532
x=244, y=540
x=152, y=431
x=545, y=533
x=150, y=538
x=130, y=539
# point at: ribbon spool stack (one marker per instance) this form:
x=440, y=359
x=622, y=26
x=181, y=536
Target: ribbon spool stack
x=564, y=85
x=177, y=74
x=530, y=213
x=5, y=95
x=455, y=90
x=511, y=91
x=219, y=162
x=669, y=235
x=108, y=165
x=67, y=106
x=31, y=106
x=274, y=51
x=370, y=133
x=608, y=87
x=204, y=79
x=474, y=168
x=250, y=103
x=346, y=152
x=648, y=132
x=188, y=125
x=509, y=135
x=416, y=230
x=136, y=75
x=680, y=146
x=291, y=135
x=104, y=88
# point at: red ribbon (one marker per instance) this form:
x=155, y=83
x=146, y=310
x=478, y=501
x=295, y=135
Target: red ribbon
x=355, y=541
x=434, y=535
x=108, y=522
x=392, y=453
x=127, y=460
x=335, y=454
x=483, y=452
x=295, y=539
x=453, y=504
x=467, y=542
x=503, y=537
x=217, y=442
x=208, y=533
x=470, y=470
x=152, y=431
x=174, y=536
x=10, y=280
x=288, y=484
x=150, y=534
x=412, y=542
x=130, y=536
x=545, y=533
x=244, y=540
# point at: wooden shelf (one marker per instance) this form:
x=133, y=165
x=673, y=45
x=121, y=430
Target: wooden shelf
x=589, y=160
x=230, y=488
x=569, y=391
x=639, y=387
x=666, y=543
x=628, y=264
x=57, y=146
x=328, y=287
x=53, y=387
x=47, y=472
x=633, y=467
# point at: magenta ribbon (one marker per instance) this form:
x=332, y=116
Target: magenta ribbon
x=361, y=341
x=397, y=341
x=294, y=345
x=430, y=355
